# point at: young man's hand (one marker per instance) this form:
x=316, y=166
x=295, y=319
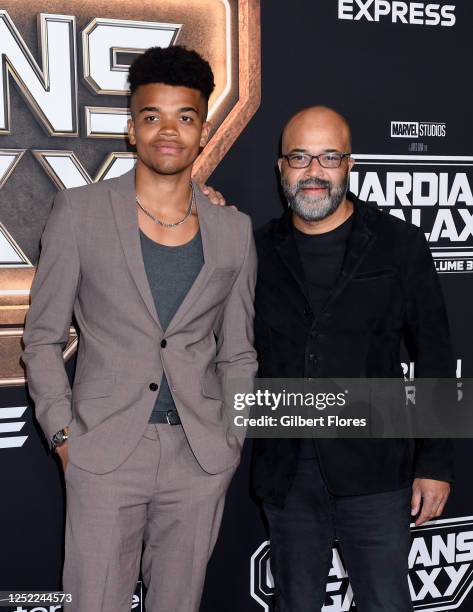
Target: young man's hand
x=62, y=452
x=214, y=196
x=432, y=495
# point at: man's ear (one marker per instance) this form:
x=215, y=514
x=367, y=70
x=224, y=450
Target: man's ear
x=280, y=163
x=205, y=133
x=131, y=131
x=351, y=163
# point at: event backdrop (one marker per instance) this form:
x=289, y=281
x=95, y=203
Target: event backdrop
x=396, y=69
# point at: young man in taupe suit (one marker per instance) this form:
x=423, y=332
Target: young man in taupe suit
x=161, y=284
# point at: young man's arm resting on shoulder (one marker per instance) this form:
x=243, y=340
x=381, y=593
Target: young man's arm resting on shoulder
x=215, y=196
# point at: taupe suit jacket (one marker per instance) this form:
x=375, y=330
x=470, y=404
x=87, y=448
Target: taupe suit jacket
x=91, y=265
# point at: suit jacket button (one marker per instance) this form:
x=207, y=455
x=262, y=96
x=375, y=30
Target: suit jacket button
x=153, y=386
x=163, y=343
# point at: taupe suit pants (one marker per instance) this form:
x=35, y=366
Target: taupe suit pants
x=159, y=497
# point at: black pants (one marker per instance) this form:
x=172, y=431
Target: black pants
x=374, y=537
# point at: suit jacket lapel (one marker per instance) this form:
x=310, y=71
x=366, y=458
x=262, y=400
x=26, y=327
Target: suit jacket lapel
x=359, y=241
x=122, y=197
x=208, y=222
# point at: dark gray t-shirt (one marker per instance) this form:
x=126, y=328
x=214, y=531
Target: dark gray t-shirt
x=171, y=272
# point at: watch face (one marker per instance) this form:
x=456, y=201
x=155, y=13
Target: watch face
x=58, y=437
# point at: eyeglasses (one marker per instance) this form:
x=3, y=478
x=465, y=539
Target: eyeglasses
x=326, y=160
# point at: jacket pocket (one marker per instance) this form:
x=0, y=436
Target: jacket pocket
x=93, y=388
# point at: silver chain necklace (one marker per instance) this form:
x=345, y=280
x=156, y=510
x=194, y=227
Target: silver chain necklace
x=162, y=223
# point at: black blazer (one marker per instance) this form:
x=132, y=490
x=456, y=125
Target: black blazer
x=387, y=292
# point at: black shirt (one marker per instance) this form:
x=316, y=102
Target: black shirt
x=322, y=257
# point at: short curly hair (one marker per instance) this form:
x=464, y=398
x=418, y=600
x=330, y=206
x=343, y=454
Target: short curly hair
x=174, y=65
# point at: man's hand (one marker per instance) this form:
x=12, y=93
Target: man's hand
x=432, y=495
x=214, y=196
x=62, y=452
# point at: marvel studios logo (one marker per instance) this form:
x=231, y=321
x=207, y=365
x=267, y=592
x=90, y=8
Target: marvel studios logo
x=417, y=129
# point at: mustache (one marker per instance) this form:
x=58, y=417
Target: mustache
x=314, y=182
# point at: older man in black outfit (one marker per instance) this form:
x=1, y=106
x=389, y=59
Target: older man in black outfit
x=340, y=286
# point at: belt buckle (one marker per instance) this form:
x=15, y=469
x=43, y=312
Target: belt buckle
x=169, y=415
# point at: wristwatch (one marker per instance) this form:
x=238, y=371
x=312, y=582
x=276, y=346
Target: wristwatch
x=60, y=437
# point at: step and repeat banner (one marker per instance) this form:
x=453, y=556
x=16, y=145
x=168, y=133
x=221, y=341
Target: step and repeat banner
x=398, y=70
